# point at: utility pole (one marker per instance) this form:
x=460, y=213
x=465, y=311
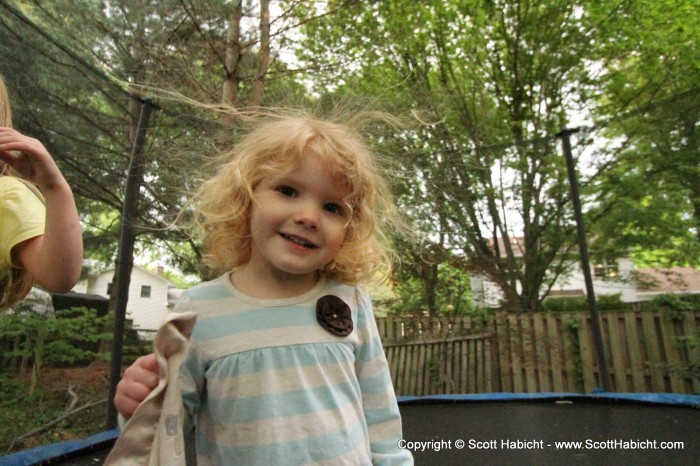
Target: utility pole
x=125, y=254
x=565, y=136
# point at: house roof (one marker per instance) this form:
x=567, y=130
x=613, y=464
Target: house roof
x=517, y=244
x=145, y=270
x=566, y=293
x=675, y=279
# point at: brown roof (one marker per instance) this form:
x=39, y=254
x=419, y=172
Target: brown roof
x=565, y=293
x=517, y=244
x=675, y=279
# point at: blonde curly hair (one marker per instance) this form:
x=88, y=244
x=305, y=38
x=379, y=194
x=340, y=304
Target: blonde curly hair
x=281, y=144
x=5, y=109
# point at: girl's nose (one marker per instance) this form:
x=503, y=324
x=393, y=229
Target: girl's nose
x=307, y=216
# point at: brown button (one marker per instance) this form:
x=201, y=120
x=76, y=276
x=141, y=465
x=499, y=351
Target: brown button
x=333, y=314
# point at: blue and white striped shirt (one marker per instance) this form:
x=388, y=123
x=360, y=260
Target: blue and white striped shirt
x=269, y=386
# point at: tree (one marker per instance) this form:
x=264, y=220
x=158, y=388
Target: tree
x=500, y=79
x=648, y=198
x=72, y=91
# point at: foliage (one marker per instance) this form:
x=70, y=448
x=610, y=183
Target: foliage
x=493, y=81
x=676, y=306
x=691, y=368
x=75, y=80
x=70, y=338
x=496, y=80
x=604, y=303
x=452, y=293
x=45, y=343
x=573, y=325
x=48, y=402
x=648, y=198
x=180, y=281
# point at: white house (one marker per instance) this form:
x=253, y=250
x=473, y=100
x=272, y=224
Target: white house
x=618, y=278
x=150, y=294
x=609, y=279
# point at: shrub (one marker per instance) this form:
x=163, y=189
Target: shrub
x=72, y=337
x=580, y=303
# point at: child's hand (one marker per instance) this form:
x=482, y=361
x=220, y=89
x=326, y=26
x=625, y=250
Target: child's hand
x=28, y=157
x=138, y=382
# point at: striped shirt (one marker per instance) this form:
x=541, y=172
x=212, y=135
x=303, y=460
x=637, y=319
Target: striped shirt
x=269, y=386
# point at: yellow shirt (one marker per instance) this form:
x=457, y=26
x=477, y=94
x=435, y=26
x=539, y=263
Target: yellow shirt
x=22, y=216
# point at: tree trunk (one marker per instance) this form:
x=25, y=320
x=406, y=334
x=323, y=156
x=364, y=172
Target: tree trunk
x=263, y=55
x=233, y=56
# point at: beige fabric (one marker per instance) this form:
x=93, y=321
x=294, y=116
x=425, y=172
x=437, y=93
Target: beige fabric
x=154, y=434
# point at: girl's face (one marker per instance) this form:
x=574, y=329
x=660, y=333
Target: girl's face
x=298, y=223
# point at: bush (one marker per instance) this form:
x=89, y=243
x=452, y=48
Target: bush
x=674, y=302
x=605, y=303
x=451, y=288
x=73, y=337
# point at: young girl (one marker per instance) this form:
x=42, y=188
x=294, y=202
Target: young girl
x=285, y=363
x=40, y=235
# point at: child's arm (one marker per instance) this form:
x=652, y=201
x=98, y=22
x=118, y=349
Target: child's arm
x=378, y=398
x=55, y=258
x=138, y=382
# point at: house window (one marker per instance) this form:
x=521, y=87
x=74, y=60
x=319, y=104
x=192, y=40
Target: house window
x=145, y=291
x=605, y=270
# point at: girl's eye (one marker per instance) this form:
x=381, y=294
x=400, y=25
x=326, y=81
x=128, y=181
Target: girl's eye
x=286, y=191
x=333, y=208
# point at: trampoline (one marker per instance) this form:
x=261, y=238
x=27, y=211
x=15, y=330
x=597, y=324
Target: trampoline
x=503, y=429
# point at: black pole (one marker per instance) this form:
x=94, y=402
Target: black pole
x=125, y=254
x=565, y=136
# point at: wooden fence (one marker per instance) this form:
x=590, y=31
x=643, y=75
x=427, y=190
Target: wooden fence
x=646, y=351
x=453, y=365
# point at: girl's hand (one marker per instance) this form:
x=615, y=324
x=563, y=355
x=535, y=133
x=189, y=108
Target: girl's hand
x=29, y=158
x=138, y=382
x=55, y=258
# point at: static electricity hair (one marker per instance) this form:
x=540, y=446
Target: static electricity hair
x=281, y=144
x=5, y=111
x=5, y=116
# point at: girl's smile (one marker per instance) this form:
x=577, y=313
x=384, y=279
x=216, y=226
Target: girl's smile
x=298, y=223
x=298, y=240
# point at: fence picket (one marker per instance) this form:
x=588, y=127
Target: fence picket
x=691, y=333
x=420, y=360
x=540, y=343
x=616, y=350
x=555, y=352
x=673, y=358
x=650, y=337
x=633, y=344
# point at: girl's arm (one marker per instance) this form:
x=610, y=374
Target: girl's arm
x=55, y=258
x=378, y=398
